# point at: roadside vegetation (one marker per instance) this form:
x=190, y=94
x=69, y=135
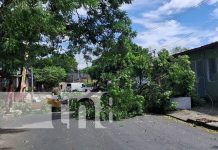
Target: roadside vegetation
x=139, y=81
x=46, y=35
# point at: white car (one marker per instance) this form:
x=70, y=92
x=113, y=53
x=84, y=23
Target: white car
x=77, y=87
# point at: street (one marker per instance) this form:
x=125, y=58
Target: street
x=141, y=133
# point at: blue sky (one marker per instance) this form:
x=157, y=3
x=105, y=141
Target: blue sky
x=172, y=23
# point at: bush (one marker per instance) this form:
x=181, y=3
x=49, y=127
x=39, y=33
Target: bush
x=156, y=99
x=2, y=100
x=2, y=103
x=126, y=103
x=181, y=77
x=50, y=76
x=90, y=109
x=170, y=77
x=45, y=107
x=160, y=78
x=22, y=106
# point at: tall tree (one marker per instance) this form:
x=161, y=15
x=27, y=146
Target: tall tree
x=31, y=29
x=66, y=61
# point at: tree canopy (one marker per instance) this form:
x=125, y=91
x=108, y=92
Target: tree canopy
x=37, y=28
x=50, y=76
x=66, y=61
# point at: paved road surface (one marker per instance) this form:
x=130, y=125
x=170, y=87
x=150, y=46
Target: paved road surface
x=141, y=133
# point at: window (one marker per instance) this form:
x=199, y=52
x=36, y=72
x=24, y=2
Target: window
x=212, y=69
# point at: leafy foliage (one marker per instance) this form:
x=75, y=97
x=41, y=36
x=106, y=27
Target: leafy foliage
x=35, y=29
x=160, y=78
x=126, y=103
x=24, y=107
x=50, y=76
x=170, y=77
x=66, y=61
x=157, y=100
x=182, y=78
x=119, y=66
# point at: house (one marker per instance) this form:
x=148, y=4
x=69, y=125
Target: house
x=78, y=76
x=204, y=62
x=16, y=77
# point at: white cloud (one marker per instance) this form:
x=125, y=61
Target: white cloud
x=214, y=37
x=169, y=34
x=176, y=6
x=211, y=2
x=82, y=11
x=215, y=13
x=161, y=33
x=81, y=61
x=137, y=4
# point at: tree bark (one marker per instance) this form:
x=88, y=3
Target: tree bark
x=23, y=80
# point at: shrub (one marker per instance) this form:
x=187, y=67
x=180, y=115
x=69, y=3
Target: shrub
x=2, y=103
x=126, y=103
x=22, y=106
x=170, y=77
x=181, y=77
x=157, y=100
x=89, y=105
x=50, y=76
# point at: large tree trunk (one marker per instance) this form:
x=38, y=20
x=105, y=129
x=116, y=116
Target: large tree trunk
x=23, y=80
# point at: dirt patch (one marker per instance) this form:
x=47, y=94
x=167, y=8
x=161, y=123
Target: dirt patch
x=205, y=120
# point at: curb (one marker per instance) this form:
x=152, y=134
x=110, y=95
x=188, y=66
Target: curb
x=197, y=123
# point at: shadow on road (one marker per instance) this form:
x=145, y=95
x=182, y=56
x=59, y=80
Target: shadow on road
x=10, y=131
x=215, y=147
x=6, y=148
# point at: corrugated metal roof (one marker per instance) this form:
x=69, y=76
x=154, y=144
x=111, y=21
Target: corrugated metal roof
x=199, y=49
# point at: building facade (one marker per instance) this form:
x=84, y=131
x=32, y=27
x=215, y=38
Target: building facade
x=204, y=62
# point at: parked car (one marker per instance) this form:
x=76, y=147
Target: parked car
x=77, y=87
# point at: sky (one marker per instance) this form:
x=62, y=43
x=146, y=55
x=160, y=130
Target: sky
x=174, y=23
x=171, y=23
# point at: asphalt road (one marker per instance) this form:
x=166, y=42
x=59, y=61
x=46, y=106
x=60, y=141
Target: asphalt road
x=140, y=133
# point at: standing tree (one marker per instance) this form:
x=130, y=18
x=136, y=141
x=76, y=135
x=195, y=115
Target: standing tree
x=50, y=76
x=34, y=29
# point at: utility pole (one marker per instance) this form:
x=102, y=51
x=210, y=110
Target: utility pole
x=32, y=84
x=87, y=72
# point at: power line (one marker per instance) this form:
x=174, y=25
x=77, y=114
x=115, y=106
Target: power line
x=175, y=18
x=186, y=36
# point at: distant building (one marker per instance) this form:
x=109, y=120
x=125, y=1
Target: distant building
x=78, y=76
x=204, y=62
x=4, y=80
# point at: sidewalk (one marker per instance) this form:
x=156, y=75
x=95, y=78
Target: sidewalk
x=198, y=118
